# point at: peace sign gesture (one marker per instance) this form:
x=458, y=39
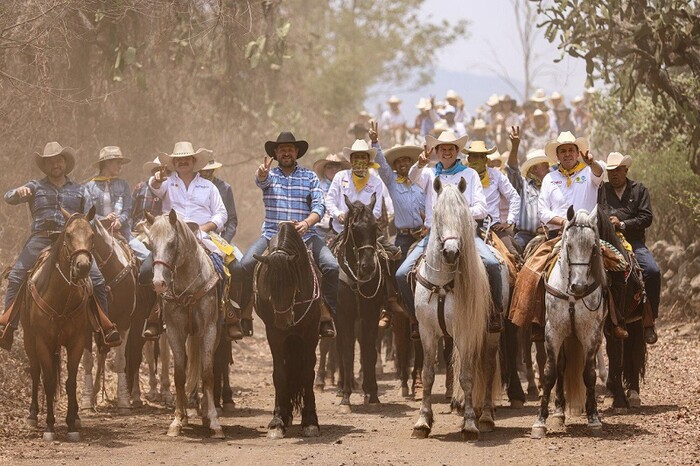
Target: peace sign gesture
x=264, y=169
x=515, y=134
x=373, y=135
x=424, y=156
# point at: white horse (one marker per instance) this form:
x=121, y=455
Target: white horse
x=452, y=270
x=575, y=303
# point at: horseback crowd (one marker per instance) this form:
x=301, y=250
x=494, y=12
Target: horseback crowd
x=521, y=175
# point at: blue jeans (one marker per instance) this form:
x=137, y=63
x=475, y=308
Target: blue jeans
x=652, y=275
x=493, y=270
x=26, y=260
x=140, y=251
x=522, y=238
x=242, y=270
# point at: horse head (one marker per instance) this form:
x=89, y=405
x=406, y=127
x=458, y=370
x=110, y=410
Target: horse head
x=165, y=234
x=361, y=232
x=448, y=233
x=580, y=250
x=77, y=243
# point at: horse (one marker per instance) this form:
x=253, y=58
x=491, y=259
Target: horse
x=452, y=279
x=361, y=295
x=120, y=269
x=55, y=314
x=575, y=309
x=185, y=280
x=287, y=292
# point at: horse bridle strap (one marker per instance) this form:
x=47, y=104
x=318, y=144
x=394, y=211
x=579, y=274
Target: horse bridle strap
x=441, y=292
x=47, y=309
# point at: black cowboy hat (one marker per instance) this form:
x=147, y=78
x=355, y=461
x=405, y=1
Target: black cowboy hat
x=286, y=137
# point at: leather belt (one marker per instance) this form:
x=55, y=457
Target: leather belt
x=413, y=232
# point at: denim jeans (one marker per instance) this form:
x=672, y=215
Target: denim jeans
x=651, y=273
x=26, y=260
x=140, y=251
x=522, y=238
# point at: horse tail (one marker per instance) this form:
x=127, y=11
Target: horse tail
x=294, y=367
x=635, y=353
x=574, y=388
x=194, y=365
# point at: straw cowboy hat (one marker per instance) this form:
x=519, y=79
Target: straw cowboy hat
x=451, y=94
x=493, y=100
x=533, y=158
x=111, y=153
x=448, y=109
x=507, y=98
x=212, y=165
x=479, y=123
x=446, y=137
x=399, y=151
x=564, y=138
x=577, y=100
x=496, y=156
x=423, y=104
x=148, y=167
x=539, y=96
x=320, y=165
x=538, y=113
x=358, y=146
x=286, y=137
x=562, y=108
x=52, y=149
x=479, y=147
x=185, y=149
x=616, y=159
x=555, y=96
x=394, y=100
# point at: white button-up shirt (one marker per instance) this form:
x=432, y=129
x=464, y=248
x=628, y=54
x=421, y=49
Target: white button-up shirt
x=556, y=197
x=343, y=185
x=474, y=194
x=500, y=188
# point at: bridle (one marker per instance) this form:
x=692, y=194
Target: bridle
x=72, y=257
x=170, y=294
x=442, y=240
x=356, y=250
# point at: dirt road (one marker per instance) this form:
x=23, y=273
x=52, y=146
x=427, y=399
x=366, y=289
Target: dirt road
x=665, y=430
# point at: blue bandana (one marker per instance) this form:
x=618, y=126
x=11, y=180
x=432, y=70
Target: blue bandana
x=456, y=168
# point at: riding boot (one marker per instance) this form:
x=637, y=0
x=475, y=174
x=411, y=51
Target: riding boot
x=648, y=322
x=232, y=321
x=326, y=328
x=110, y=334
x=8, y=327
x=245, y=322
x=618, y=329
x=384, y=319
x=153, y=326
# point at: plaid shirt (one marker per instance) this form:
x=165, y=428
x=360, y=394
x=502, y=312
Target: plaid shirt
x=290, y=198
x=46, y=201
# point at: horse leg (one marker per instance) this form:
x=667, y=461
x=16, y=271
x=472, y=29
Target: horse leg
x=589, y=377
x=99, y=375
x=226, y=393
x=309, y=418
x=208, y=345
x=615, y=350
x=416, y=374
x=559, y=416
x=35, y=371
x=525, y=349
x=277, y=426
x=541, y=360
x=634, y=361
x=449, y=369
x=123, y=401
x=539, y=428
x=516, y=396
x=378, y=366
x=86, y=401
x=74, y=353
x=48, y=371
x=470, y=431
x=218, y=376
x=332, y=364
x=423, y=426
x=403, y=352
x=368, y=356
x=345, y=342
x=149, y=353
x=164, y=354
x=177, y=343
x=490, y=358
x=323, y=346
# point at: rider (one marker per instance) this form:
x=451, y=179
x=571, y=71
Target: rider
x=450, y=170
x=325, y=169
x=629, y=205
x=46, y=198
x=291, y=193
x=143, y=199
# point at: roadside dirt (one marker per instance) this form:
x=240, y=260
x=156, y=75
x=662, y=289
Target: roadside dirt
x=666, y=429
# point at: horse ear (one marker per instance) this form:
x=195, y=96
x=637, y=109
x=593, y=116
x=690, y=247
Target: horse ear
x=91, y=214
x=150, y=218
x=462, y=186
x=372, y=201
x=437, y=185
x=65, y=213
x=348, y=202
x=263, y=259
x=172, y=216
x=570, y=213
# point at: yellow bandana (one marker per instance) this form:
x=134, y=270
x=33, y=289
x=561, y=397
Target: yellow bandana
x=361, y=181
x=485, y=179
x=403, y=180
x=569, y=173
x=103, y=178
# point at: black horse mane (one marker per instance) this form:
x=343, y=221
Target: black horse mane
x=286, y=273
x=606, y=230
x=361, y=216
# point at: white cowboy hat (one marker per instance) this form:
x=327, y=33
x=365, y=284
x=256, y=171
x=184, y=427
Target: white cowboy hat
x=564, y=138
x=493, y=100
x=555, y=96
x=185, y=149
x=111, y=153
x=212, y=165
x=394, y=100
x=496, y=156
x=446, y=137
x=507, y=98
x=320, y=165
x=577, y=100
x=479, y=123
x=479, y=147
x=448, y=109
x=533, y=158
x=399, y=151
x=539, y=96
x=538, y=113
x=148, y=167
x=52, y=149
x=451, y=94
x=616, y=159
x=423, y=104
x=359, y=146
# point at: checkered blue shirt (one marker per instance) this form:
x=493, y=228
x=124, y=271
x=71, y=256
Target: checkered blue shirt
x=290, y=198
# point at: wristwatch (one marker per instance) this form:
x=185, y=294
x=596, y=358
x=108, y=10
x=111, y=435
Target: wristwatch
x=622, y=226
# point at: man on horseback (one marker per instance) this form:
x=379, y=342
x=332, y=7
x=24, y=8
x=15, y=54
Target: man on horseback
x=46, y=198
x=450, y=170
x=226, y=192
x=143, y=199
x=629, y=205
x=291, y=193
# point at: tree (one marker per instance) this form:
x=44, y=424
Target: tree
x=637, y=44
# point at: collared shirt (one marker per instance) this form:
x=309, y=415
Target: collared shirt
x=534, y=139
x=343, y=185
x=290, y=198
x=227, y=197
x=500, y=188
x=556, y=197
x=474, y=194
x=390, y=119
x=46, y=201
x=409, y=201
x=143, y=200
x=118, y=189
x=200, y=202
x=528, y=219
x=634, y=208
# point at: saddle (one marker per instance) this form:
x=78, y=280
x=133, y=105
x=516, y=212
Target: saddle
x=505, y=256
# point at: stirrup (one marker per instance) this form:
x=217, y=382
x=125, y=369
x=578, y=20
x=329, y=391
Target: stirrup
x=151, y=336
x=325, y=330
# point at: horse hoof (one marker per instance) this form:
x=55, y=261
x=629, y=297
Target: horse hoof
x=192, y=412
x=311, y=431
x=557, y=421
x=137, y=403
x=517, y=404
x=30, y=423
x=49, y=436
x=275, y=434
x=634, y=399
x=344, y=409
x=229, y=407
x=595, y=426
x=217, y=433
x=538, y=432
x=206, y=422
x=532, y=391
x=372, y=400
x=174, y=431
x=78, y=424
x=620, y=411
x=486, y=425
x=73, y=436
x=420, y=432
x=404, y=392
x=219, y=411
x=470, y=435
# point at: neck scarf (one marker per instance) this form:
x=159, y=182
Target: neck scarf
x=537, y=182
x=456, y=168
x=104, y=178
x=483, y=172
x=569, y=173
x=360, y=173
x=403, y=180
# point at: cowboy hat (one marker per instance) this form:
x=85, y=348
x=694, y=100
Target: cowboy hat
x=52, y=149
x=616, y=159
x=360, y=145
x=538, y=113
x=399, y=151
x=320, y=165
x=111, y=153
x=539, y=96
x=185, y=149
x=212, y=165
x=555, y=96
x=446, y=137
x=564, y=138
x=448, y=109
x=285, y=137
x=577, y=100
x=451, y=94
x=479, y=123
x=423, y=104
x=496, y=156
x=479, y=147
x=562, y=108
x=533, y=158
x=357, y=128
x=148, y=167
x=394, y=100
x=493, y=100
x=507, y=98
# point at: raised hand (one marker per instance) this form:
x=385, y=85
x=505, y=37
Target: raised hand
x=587, y=157
x=515, y=134
x=373, y=134
x=264, y=169
x=424, y=156
x=161, y=174
x=23, y=191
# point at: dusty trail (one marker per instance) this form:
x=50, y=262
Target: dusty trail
x=665, y=430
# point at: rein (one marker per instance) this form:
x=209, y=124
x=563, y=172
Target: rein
x=356, y=276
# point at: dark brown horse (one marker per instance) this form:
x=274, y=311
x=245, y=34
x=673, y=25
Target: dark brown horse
x=55, y=314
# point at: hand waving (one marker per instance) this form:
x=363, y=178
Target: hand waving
x=264, y=169
x=515, y=135
x=424, y=156
x=373, y=134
